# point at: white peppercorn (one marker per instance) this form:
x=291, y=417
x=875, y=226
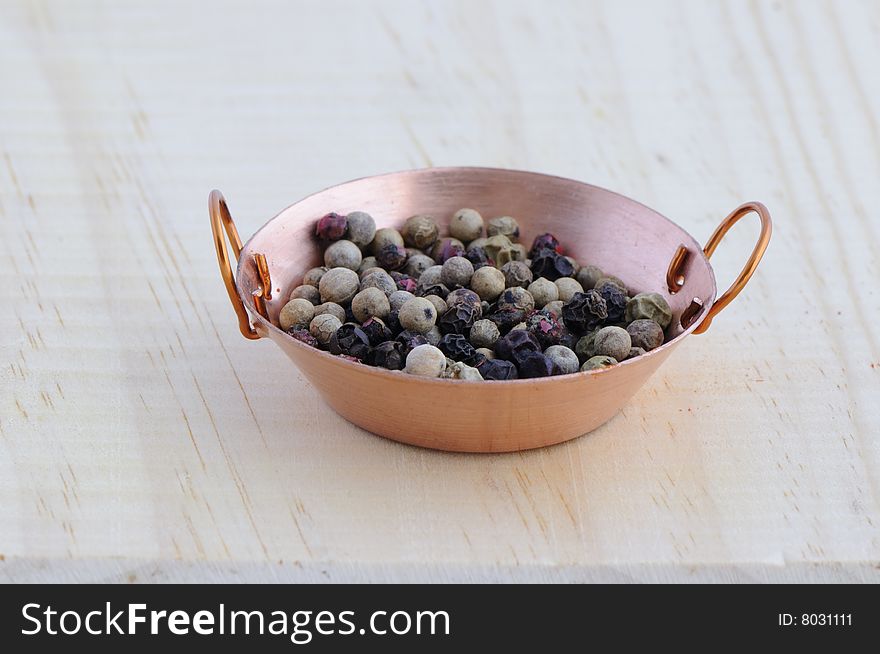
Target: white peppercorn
x=306, y=292
x=331, y=308
x=385, y=236
x=612, y=342
x=477, y=243
x=649, y=306
x=517, y=273
x=456, y=271
x=598, y=363
x=459, y=370
x=370, y=302
x=433, y=335
x=588, y=276
x=488, y=283
x=484, y=333
x=563, y=359
x=466, y=225
x=367, y=264
x=486, y=352
x=323, y=327
x=556, y=308
x=645, y=334
x=438, y=302
x=420, y=231
x=431, y=276
x=543, y=291
x=339, y=285
x=417, y=315
x=518, y=252
x=343, y=254
x=516, y=298
x=567, y=288
x=426, y=361
x=381, y=280
x=361, y=228
x=504, y=225
x=313, y=276
x=296, y=313
x=417, y=263
x=398, y=298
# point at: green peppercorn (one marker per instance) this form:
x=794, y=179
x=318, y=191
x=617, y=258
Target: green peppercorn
x=361, y=228
x=456, y=272
x=613, y=342
x=584, y=347
x=339, y=285
x=645, y=334
x=466, y=225
x=504, y=225
x=488, y=283
x=332, y=309
x=598, y=363
x=588, y=276
x=567, y=287
x=425, y=361
x=484, y=333
x=635, y=352
x=369, y=303
x=313, y=276
x=296, y=313
x=649, y=306
x=516, y=273
x=343, y=254
x=563, y=359
x=383, y=237
x=323, y=326
x=420, y=231
x=306, y=292
x=417, y=315
x=543, y=291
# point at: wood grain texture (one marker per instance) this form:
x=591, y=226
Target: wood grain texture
x=142, y=439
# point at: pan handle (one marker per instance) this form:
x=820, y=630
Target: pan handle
x=746, y=274
x=221, y=219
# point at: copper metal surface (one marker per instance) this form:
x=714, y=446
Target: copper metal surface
x=621, y=236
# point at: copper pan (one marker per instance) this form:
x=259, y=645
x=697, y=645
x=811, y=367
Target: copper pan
x=621, y=236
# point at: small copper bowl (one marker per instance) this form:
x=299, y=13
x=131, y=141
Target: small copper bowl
x=621, y=236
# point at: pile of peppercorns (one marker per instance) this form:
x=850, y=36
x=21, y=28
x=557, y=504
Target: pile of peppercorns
x=466, y=306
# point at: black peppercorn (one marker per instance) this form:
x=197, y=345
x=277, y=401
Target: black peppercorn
x=550, y=264
x=506, y=319
x=615, y=301
x=377, y=331
x=458, y=319
x=584, y=312
x=535, y=364
x=458, y=348
x=410, y=340
x=388, y=354
x=544, y=326
x=479, y=257
x=465, y=296
x=350, y=339
x=497, y=370
x=303, y=336
x=440, y=290
x=544, y=242
x=515, y=345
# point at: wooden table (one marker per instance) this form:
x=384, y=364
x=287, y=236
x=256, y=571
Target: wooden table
x=142, y=439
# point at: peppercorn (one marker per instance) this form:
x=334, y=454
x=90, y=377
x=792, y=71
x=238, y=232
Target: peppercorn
x=420, y=231
x=567, y=287
x=323, y=326
x=465, y=296
x=438, y=302
x=417, y=315
x=377, y=331
x=517, y=298
x=615, y=301
x=500, y=249
x=410, y=340
x=544, y=327
x=383, y=237
x=650, y=306
x=479, y=258
x=368, y=265
x=486, y=352
x=459, y=370
x=366, y=272
x=487, y=283
x=598, y=363
x=575, y=266
x=416, y=264
x=398, y=298
x=431, y=275
x=564, y=360
x=343, y=254
x=484, y=333
x=457, y=348
x=477, y=243
x=302, y=335
x=404, y=282
x=313, y=276
x=306, y=292
x=388, y=354
x=589, y=275
x=391, y=256
x=514, y=345
x=456, y=272
x=645, y=334
x=370, y=303
x=433, y=335
x=543, y=291
x=458, y=319
x=635, y=352
x=584, y=346
x=440, y=290
x=612, y=342
x=612, y=280
x=544, y=242
x=584, y=312
x=517, y=273
x=504, y=225
x=551, y=264
x=506, y=319
x=426, y=361
x=466, y=225
x=446, y=248
x=339, y=285
x=331, y=227
x=534, y=365
x=332, y=309
x=350, y=339
x=519, y=325
x=380, y=280
x=497, y=370
x=296, y=313
x=555, y=308
x=361, y=228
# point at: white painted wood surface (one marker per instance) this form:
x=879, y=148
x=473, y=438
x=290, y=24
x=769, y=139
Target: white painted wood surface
x=141, y=438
